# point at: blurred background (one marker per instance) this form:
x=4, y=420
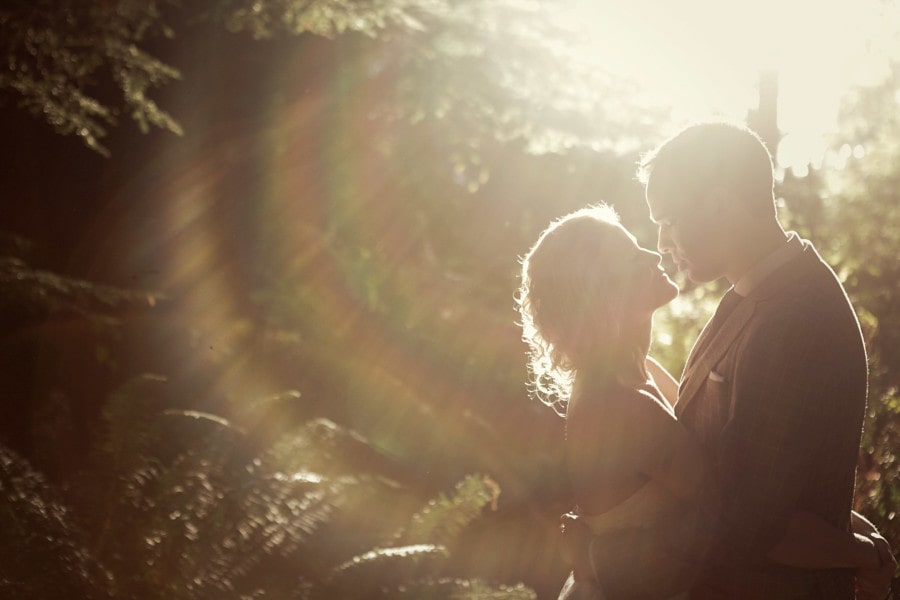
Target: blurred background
x=258, y=259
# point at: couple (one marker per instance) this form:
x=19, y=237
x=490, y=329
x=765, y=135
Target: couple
x=738, y=481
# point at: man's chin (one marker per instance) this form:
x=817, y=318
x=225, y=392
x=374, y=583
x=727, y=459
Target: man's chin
x=699, y=276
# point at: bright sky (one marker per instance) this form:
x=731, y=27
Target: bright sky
x=704, y=56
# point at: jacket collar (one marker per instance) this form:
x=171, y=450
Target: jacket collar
x=699, y=367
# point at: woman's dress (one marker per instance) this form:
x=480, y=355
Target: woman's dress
x=649, y=546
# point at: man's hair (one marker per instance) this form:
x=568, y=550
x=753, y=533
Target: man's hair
x=712, y=154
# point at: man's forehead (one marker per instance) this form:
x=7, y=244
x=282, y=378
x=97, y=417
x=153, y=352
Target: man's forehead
x=663, y=201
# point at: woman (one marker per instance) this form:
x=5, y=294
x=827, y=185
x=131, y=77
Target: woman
x=587, y=299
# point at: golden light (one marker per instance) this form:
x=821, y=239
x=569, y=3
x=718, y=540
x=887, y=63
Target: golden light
x=703, y=57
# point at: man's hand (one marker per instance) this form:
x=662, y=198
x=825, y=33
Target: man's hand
x=875, y=583
x=576, y=540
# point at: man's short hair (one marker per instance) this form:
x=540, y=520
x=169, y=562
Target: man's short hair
x=713, y=154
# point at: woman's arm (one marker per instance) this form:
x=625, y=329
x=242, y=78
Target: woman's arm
x=684, y=471
x=667, y=384
x=669, y=453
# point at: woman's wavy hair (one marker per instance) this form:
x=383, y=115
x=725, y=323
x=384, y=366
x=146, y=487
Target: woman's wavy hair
x=570, y=304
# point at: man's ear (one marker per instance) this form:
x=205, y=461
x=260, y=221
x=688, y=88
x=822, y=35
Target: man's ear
x=719, y=201
x=729, y=205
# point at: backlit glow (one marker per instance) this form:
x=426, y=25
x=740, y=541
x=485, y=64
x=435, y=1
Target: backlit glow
x=703, y=57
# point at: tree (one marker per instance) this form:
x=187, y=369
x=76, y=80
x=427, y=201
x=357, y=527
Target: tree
x=81, y=66
x=851, y=207
x=62, y=57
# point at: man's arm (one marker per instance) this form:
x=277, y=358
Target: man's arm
x=810, y=542
x=787, y=410
x=860, y=524
x=790, y=419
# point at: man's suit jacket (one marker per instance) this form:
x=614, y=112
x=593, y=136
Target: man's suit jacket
x=776, y=394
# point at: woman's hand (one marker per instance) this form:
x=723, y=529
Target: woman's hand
x=576, y=539
x=667, y=384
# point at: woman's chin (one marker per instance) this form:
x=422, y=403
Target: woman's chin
x=670, y=293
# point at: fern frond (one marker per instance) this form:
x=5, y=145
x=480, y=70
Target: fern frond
x=43, y=554
x=324, y=446
x=384, y=568
x=132, y=429
x=444, y=518
x=209, y=435
x=251, y=413
x=461, y=589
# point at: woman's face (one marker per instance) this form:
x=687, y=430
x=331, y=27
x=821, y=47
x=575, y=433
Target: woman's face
x=645, y=284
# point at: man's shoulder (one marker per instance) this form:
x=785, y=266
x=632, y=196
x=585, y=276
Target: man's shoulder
x=805, y=313
x=804, y=290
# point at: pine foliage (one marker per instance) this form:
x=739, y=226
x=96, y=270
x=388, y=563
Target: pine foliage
x=82, y=65
x=326, y=18
x=60, y=53
x=31, y=295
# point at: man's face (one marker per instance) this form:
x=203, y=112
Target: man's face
x=688, y=231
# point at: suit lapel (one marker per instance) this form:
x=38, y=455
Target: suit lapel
x=700, y=366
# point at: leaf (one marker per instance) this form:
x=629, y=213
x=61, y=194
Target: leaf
x=384, y=568
x=43, y=554
x=132, y=431
x=444, y=518
x=31, y=295
x=461, y=589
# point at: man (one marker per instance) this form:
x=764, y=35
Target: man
x=775, y=387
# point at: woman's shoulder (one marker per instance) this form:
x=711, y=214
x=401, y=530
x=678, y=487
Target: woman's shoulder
x=612, y=395
x=617, y=408
x=612, y=439
x=606, y=397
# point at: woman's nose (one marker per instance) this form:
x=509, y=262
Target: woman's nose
x=664, y=241
x=654, y=257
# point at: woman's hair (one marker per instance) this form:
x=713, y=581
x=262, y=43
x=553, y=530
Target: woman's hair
x=571, y=304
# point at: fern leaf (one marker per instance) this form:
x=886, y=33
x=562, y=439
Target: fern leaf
x=384, y=568
x=43, y=554
x=130, y=416
x=461, y=589
x=443, y=519
x=324, y=446
x=250, y=414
